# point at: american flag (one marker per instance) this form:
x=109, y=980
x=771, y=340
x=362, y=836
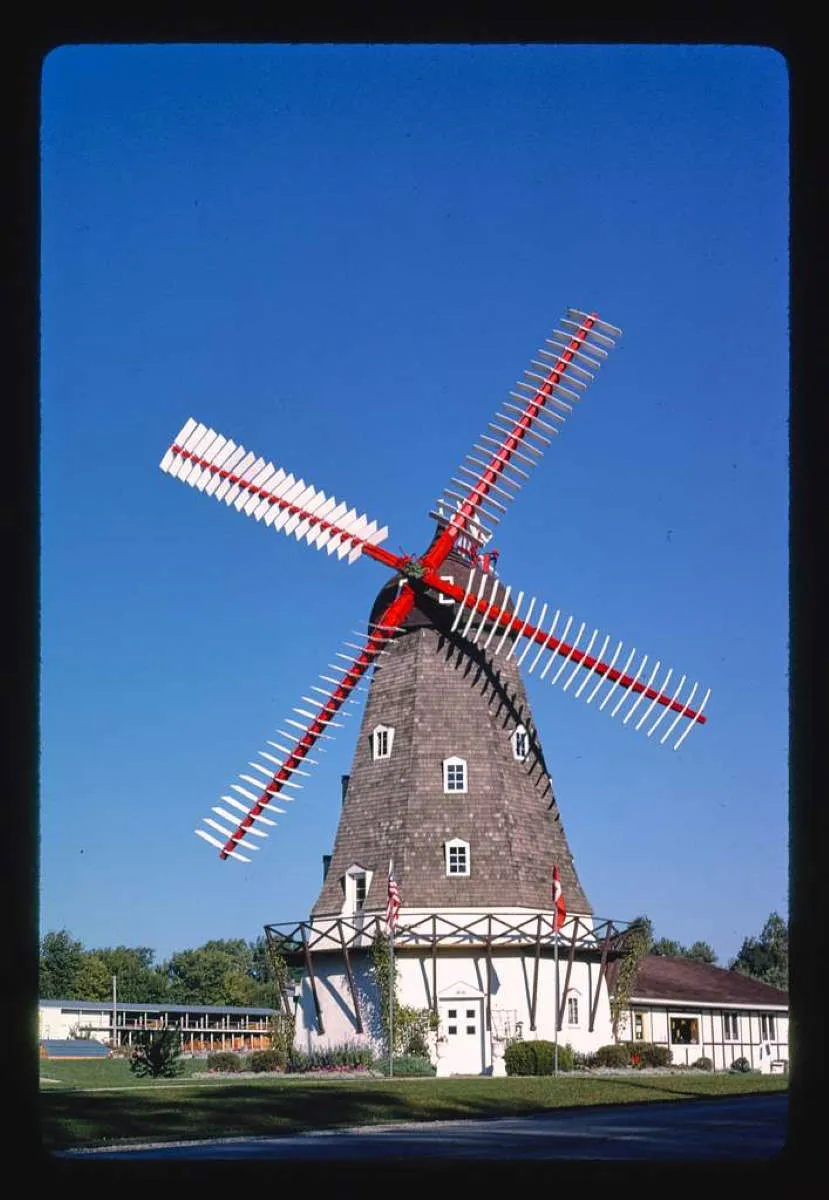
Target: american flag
x=393, y=906
x=559, y=907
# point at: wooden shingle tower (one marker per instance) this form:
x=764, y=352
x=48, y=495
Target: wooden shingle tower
x=448, y=779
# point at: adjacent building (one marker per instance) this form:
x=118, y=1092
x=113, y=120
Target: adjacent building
x=702, y=1011
x=202, y=1027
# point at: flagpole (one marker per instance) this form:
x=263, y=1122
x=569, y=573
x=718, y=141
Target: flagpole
x=555, y=1024
x=391, y=1001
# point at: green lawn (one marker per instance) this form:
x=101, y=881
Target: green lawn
x=76, y=1113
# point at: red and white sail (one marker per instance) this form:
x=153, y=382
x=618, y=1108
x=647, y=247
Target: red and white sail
x=490, y=615
x=276, y=771
x=525, y=425
x=211, y=463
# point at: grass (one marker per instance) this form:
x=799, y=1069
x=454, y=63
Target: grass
x=76, y=1113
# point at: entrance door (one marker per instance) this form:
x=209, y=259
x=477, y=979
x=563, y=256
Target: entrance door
x=461, y=1021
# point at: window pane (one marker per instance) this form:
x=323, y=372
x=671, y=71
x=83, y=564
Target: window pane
x=470, y=1012
x=453, y=1012
x=453, y=1029
x=684, y=1031
x=470, y=1029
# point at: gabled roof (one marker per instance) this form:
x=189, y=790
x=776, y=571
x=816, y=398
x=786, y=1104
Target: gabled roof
x=659, y=977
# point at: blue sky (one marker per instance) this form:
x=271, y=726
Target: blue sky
x=344, y=257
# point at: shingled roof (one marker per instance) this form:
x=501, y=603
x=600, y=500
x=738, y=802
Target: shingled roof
x=659, y=977
x=445, y=697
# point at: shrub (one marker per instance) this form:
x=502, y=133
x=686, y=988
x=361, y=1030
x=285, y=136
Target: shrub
x=648, y=1055
x=345, y=1057
x=224, y=1060
x=267, y=1060
x=157, y=1054
x=612, y=1056
x=537, y=1058
x=411, y=1027
x=407, y=1064
x=742, y=1065
x=704, y=1064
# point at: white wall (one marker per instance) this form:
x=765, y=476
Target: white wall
x=512, y=981
x=712, y=1044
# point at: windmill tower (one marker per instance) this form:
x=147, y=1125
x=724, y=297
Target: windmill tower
x=448, y=779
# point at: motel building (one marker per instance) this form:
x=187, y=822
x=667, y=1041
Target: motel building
x=203, y=1027
x=702, y=1011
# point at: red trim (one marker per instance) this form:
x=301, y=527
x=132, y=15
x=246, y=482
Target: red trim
x=247, y=486
x=443, y=545
x=396, y=612
x=516, y=625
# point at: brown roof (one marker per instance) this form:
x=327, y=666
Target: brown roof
x=659, y=977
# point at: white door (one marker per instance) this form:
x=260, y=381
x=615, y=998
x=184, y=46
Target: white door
x=461, y=1021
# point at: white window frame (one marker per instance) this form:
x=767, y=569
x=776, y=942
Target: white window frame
x=520, y=732
x=768, y=1029
x=446, y=599
x=354, y=872
x=455, y=761
x=731, y=1027
x=457, y=844
x=388, y=730
x=573, y=1007
x=644, y=1018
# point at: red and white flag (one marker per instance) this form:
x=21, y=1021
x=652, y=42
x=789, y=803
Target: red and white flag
x=393, y=906
x=559, y=907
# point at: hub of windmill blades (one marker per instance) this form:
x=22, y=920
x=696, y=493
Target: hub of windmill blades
x=486, y=614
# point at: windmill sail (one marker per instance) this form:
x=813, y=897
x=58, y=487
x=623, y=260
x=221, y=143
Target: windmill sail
x=637, y=687
x=218, y=467
x=254, y=794
x=526, y=424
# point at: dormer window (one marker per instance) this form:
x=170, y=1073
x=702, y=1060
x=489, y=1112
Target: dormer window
x=357, y=882
x=454, y=774
x=520, y=743
x=382, y=737
x=446, y=599
x=457, y=857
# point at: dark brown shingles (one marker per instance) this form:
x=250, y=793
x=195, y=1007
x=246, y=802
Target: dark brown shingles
x=659, y=977
x=444, y=697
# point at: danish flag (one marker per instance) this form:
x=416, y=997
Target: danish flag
x=559, y=907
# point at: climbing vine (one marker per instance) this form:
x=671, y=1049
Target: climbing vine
x=283, y=1022
x=411, y=1025
x=635, y=944
x=380, y=964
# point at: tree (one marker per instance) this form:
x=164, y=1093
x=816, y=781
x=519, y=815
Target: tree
x=698, y=952
x=93, y=980
x=219, y=972
x=666, y=948
x=139, y=982
x=157, y=1054
x=701, y=952
x=61, y=958
x=766, y=957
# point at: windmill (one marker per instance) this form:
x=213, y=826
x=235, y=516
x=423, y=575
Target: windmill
x=472, y=635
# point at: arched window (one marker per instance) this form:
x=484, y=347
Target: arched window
x=573, y=998
x=455, y=775
x=520, y=743
x=382, y=737
x=457, y=857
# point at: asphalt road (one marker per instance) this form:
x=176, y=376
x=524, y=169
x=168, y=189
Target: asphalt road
x=742, y=1127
